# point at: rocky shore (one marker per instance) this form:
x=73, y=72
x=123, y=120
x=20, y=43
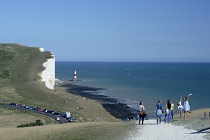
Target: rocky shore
x=118, y=110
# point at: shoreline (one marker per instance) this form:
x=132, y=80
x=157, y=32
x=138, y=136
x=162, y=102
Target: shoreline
x=118, y=110
x=196, y=124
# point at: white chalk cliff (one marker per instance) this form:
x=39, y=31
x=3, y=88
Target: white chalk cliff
x=48, y=75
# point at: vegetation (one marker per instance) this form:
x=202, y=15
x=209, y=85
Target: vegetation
x=37, y=123
x=5, y=74
x=19, y=70
x=11, y=118
x=20, y=83
x=73, y=131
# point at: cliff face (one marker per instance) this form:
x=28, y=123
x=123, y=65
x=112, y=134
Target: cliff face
x=48, y=75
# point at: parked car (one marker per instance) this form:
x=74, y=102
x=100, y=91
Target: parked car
x=50, y=111
x=58, y=118
x=62, y=115
x=32, y=108
x=19, y=105
x=67, y=114
x=56, y=113
x=23, y=106
x=71, y=119
x=36, y=108
x=45, y=110
x=41, y=110
x=28, y=107
x=13, y=104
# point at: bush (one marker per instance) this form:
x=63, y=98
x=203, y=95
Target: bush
x=37, y=123
x=5, y=74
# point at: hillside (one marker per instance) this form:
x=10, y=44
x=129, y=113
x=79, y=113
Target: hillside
x=20, y=83
x=19, y=68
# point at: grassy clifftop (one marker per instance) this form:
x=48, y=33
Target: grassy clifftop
x=19, y=68
x=20, y=83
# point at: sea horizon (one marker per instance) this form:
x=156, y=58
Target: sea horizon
x=132, y=82
x=138, y=61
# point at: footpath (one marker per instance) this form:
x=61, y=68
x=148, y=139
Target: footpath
x=151, y=131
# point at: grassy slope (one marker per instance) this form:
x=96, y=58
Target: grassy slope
x=22, y=71
x=20, y=83
x=74, y=131
x=24, y=81
x=11, y=118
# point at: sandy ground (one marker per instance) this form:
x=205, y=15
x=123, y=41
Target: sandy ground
x=151, y=131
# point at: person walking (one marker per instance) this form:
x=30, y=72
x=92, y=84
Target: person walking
x=168, y=112
x=186, y=106
x=142, y=112
x=159, y=111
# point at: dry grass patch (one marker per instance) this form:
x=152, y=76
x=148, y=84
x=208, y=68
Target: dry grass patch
x=196, y=121
x=11, y=118
x=8, y=94
x=71, y=131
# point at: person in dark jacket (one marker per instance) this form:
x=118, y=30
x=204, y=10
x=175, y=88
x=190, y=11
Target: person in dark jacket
x=168, y=112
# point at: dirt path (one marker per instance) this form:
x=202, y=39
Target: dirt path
x=150, y=131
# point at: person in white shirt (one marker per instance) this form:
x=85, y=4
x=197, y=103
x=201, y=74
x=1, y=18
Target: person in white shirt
x=141, y=112
x=186, y=106
x=180, y=107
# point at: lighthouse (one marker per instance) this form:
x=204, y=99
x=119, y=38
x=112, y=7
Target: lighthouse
x=75, y=75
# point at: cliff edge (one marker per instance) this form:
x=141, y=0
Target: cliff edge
x=48, y=74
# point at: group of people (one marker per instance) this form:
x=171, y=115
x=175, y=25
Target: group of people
x=169, y=108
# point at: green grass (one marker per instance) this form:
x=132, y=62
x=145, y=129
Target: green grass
x=20, y=66
x=37, y=123
x=19, y=79
x=20, y=83
x=14, y=117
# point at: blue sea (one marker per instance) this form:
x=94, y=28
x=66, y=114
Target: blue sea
x=132, y=82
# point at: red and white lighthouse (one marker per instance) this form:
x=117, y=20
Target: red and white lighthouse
x=75, y=75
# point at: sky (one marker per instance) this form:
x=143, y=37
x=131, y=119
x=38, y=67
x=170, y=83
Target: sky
x=110, y=30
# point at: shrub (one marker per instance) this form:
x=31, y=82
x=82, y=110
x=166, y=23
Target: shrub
x=5, y=74
x=37, y=123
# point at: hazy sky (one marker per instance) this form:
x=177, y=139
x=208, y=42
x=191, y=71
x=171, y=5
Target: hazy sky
x=110, y=30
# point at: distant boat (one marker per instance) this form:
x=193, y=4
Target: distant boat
x=127, y=70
